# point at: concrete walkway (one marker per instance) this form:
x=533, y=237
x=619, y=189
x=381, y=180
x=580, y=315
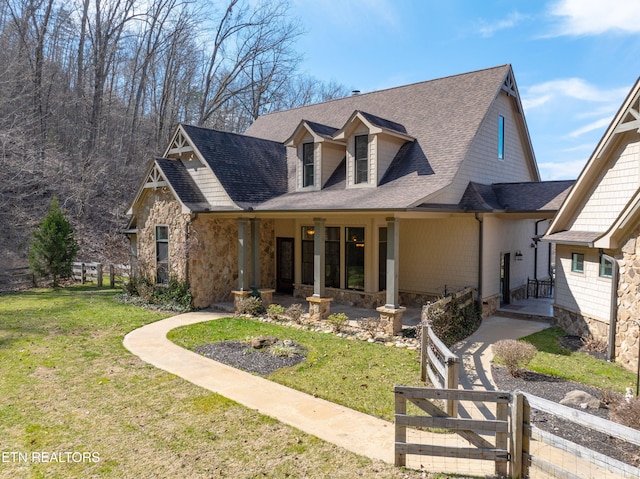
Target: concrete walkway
x=352, y=430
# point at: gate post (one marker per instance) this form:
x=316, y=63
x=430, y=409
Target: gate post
x=99, y=274
x=401, y=431
x=517, y=430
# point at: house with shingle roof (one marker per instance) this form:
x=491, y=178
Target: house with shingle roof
x=596, y=233
x=379, y=200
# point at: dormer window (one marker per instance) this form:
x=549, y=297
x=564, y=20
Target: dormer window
x=362, y=159
x=307, y=164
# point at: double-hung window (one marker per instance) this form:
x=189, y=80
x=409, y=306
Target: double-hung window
x=361, y=159
x=162, y=254
x=606, y=267
x=307, y=164
x=577, y=262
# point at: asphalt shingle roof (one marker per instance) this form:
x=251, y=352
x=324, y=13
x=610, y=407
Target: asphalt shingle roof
x=251, y=170
x=443, y=115
x=182, y=183
x=529, y=196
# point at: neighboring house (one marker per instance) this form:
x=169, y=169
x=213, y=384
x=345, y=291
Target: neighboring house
x=384, y=199
x=596, y=235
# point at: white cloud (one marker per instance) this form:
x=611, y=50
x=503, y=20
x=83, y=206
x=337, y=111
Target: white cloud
x=561, y=170
x=596, y=125
x=594, y=17
x=575, y=88
x=488, y=29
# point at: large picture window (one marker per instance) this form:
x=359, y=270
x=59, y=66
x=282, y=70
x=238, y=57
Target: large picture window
x=361, y=159
x=354, y=258
x=162, y=254
x=331, y=256
x=382, y=260
x=307, y=164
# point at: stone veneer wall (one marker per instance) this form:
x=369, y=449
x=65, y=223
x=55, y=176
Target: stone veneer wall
x=160, y=208
x=213, y=258
x=627, y=334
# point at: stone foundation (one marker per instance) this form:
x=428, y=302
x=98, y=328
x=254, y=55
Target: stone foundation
x=518, y=293
x=489, y=306
x=358, y=299
x=577, y=324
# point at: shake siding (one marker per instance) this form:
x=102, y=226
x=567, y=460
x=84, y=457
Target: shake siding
x=482, y=164
x=435, y=253
x=585, y=293
x=613, y=192
x=208, y=183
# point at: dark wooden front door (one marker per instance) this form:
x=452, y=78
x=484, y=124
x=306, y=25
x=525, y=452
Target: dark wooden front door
x=505, y=272
x=285, y=265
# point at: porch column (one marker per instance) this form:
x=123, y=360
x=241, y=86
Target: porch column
x=393, y=250
x=243, y=255
x=255, y=253
x=318, y=304
x=318, y=257
x=392, y=312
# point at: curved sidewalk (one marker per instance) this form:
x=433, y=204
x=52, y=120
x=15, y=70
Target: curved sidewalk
x=349, y=429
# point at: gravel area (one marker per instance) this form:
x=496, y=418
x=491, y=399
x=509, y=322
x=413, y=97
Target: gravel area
x=554, y=389
x=242, y=356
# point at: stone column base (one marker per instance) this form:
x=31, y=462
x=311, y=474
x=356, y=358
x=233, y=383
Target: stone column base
x=318, y=307
x=393, y=318
x=238, y=296
x=267, y=296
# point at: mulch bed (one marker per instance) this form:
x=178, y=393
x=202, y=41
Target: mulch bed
x=240, y=355
x=554, y=389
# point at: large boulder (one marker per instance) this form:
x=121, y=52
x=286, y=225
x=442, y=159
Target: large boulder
x=581, y=399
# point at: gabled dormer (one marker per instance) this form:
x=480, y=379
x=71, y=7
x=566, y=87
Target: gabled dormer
x=317, y=152
x=371, y=145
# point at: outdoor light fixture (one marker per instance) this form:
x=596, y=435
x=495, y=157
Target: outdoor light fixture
x=518, y=255
x=311, y=231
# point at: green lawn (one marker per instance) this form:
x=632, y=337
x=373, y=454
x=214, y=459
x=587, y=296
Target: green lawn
x=67, y=385
x=580, y=367
x=356, y=374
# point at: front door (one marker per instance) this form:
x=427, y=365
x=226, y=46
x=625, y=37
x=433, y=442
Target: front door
x=505, y=263
x=285, y=265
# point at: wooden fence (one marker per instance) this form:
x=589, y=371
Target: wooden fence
x=469, y=429
x=95, y=272
x=518, y=446
x=15, y=279
x=440, y=364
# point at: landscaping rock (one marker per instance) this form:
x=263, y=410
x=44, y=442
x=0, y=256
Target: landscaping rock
x=581, y=399
x=262, y=342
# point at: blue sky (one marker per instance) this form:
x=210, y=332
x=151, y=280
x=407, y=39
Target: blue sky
x=574, y=60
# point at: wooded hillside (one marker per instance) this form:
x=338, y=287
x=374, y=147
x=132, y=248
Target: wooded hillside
x=90, y=91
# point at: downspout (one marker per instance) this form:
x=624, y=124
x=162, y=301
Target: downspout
x=535, y=250
x=480, y=221
x=613, y=308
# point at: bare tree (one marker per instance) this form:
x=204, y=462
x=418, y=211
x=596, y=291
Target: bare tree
x=241, y=36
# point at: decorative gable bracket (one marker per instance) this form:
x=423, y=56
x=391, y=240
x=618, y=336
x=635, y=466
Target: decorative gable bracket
x=179, y=145
x=155, y=179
